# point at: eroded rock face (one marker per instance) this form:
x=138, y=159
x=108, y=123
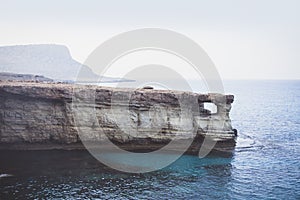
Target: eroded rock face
x=45, y=115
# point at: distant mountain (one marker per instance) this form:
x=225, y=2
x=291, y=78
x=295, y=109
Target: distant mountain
x=49, y=60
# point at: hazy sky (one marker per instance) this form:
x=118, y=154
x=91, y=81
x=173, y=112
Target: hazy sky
x=254, y=39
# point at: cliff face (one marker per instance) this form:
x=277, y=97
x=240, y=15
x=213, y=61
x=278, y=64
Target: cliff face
x=41, y=116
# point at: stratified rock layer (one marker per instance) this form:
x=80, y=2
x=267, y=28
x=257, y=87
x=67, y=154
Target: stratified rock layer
x=48, y=115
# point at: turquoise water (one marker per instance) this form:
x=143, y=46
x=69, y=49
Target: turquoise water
x=265, y=164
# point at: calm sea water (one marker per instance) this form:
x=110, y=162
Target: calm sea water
x=265, y=164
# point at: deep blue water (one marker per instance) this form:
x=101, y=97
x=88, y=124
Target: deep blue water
x=265, y=164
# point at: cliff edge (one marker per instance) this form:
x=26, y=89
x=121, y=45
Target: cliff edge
x=41, y=116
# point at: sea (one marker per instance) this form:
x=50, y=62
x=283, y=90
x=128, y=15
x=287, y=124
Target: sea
x=264, y=165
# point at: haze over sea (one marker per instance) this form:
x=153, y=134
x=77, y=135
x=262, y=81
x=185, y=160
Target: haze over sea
x=265, y=164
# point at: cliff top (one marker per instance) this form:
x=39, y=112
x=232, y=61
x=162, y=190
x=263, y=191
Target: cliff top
x=65, y=90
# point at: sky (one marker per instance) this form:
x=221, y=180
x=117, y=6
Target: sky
x=253, y=39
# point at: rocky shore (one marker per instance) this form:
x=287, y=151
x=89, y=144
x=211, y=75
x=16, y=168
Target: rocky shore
x=39, y=115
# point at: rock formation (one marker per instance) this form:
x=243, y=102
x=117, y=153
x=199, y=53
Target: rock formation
x=44, y=116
